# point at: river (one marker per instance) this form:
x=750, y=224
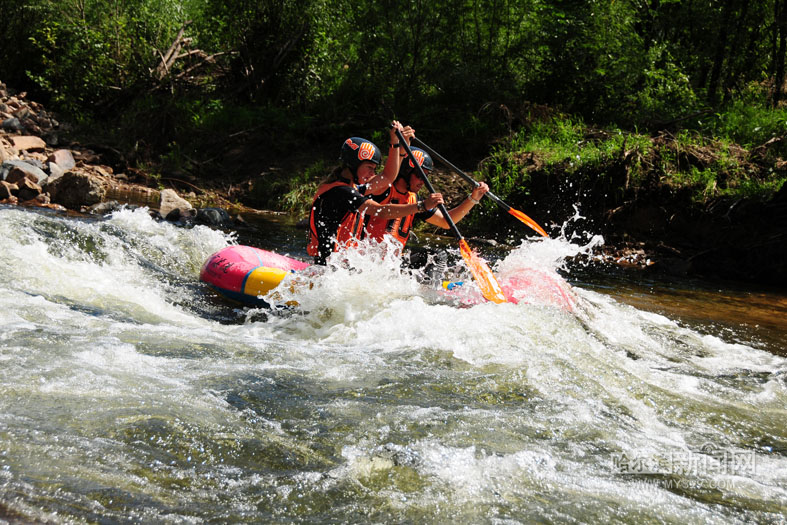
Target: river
x=130, y=393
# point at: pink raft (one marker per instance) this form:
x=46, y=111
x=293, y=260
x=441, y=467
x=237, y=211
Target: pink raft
x=528, y=286
x=245, y=274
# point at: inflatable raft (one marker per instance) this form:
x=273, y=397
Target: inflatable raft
x=245, y=274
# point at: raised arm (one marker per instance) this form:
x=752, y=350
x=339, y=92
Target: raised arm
x=379, y=183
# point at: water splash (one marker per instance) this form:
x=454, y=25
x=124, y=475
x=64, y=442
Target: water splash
x=121, y=398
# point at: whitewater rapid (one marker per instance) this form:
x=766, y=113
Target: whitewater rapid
x=129, y=391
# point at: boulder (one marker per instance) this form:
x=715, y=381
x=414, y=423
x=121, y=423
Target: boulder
x=23, y=112
x=62, y=158
x=75, y=189
x=13, y=124
x=214, y=217
x=7, y=189
x=170, y=201
x=55, y=171
x=181, y=215
x=20, y=165
x=28, y=143
x=28, y=189
x=43, y=199
x=16, y=176
x=104, y=208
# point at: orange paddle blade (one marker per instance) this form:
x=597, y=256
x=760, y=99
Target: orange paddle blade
x=527, y=220
x=486, y=279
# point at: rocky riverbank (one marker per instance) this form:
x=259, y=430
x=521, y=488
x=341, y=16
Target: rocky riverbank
x=39, y=167
x=654, y=229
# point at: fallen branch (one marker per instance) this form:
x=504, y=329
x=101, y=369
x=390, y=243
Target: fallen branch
x=167, y=59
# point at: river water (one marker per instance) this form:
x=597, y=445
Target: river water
x=129, y=392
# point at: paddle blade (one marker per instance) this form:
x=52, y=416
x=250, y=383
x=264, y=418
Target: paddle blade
x=486, y=279
x=527, y=220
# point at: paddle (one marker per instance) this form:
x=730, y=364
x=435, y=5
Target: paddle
x=490, y=288
x=516, y=213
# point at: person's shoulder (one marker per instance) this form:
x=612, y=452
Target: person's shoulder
x=340, y=189
x=380, y=197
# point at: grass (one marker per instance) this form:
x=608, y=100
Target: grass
x=708, y=165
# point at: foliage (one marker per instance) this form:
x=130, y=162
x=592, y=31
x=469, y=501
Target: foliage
x=292, y=193
x=749, y=121
x=290, y=75
x=626, y=62
x=85, y=55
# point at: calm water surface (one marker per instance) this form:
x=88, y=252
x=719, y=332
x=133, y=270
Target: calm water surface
x=130, y=393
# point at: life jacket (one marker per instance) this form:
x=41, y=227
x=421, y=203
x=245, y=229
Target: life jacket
x=399, y=228
x=350, y=227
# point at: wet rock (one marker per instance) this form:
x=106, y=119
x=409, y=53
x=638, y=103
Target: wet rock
x=215, y=217
x=62, y=158
x=55, y=171
x=87, y=157
x=43, y=199
x=170, y=201
x=13, y=124
x=181, y=215
x=51, y=139
x=27, y=189
x=4, y=151
x=28, y=143
x=34, y=159
x=75, y=189
x=16, y=176
x=24, y=112
x=10, y=166
x=103, y=208
x=7, y=189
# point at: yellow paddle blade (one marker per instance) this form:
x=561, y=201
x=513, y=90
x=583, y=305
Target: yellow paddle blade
x=486, y=279
x=527, y=220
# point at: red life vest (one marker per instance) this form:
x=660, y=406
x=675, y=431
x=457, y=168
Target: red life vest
x=350, y=227
x=399, y=228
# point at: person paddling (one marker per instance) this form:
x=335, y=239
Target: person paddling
x=403, y=191
x=336, y=218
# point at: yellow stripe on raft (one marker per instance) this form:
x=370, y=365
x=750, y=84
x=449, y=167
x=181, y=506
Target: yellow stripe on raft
x=263, y=279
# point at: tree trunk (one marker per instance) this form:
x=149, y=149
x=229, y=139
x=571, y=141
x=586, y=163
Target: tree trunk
x=780, y=28
x=736, y=68
x=720, y=55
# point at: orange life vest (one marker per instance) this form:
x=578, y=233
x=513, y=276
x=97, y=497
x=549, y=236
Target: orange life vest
x=399, y=228
x=350, y=227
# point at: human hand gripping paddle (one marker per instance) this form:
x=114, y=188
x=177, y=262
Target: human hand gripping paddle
x=516, y=213
x=490, y=288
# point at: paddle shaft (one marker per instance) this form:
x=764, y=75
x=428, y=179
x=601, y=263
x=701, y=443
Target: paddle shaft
x=429, y=186
x=490, y=288
x=462, y=174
